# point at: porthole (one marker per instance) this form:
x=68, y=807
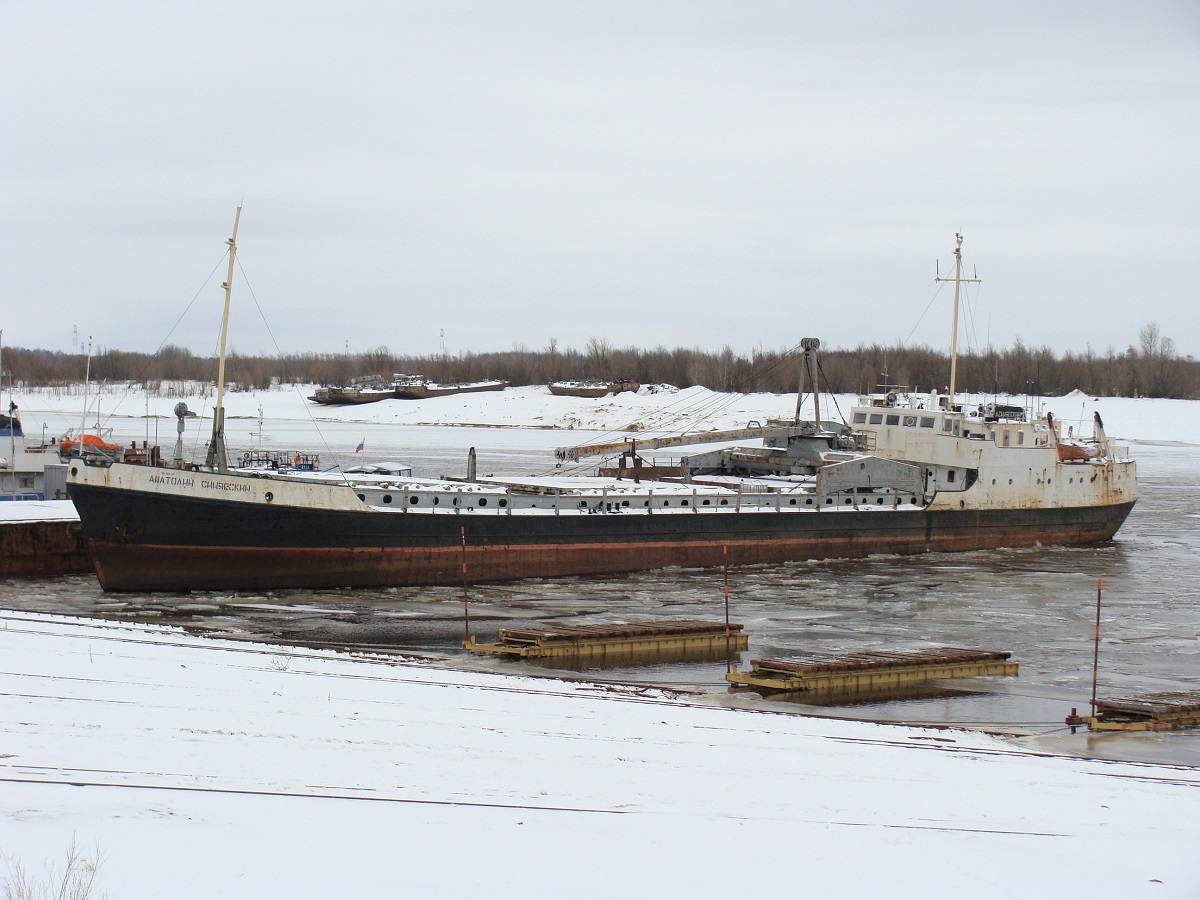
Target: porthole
x=808, y=502
x=582, y=503
x=683, y=503
x=829, y=502
x=387, y=498
x=645, y=503
x=483, y=501
x=74, y=470
x=624, y=502
x=912, y=500
x=1049, y=481
x=792, y=502
x=503, y=502
x=724, y=502
x=413, y=501
x=848, y=501
x=454, y=501
x=1010, y=481
x=362, y=497
x=707, y=502
x=269, y=496
x=879, y=501
x=666, y=503
x=437, y=500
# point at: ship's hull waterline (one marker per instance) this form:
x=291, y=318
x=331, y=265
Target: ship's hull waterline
x=149, y=541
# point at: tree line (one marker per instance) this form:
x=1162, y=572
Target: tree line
x=1148, y=368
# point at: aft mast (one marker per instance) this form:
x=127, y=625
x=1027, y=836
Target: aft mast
x=958, y=280
x=217, y=456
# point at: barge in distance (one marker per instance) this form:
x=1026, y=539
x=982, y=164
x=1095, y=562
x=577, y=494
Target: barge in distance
x=907, y=474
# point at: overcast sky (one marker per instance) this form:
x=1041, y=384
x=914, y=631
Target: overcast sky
x=676, y=173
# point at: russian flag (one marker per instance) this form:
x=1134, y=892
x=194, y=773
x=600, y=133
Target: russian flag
x=360, y=446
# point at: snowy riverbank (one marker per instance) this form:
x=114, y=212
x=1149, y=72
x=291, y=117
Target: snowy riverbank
x=659, y=408
x=206, y=768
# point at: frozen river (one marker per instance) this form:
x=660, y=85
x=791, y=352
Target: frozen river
x=1037, y=603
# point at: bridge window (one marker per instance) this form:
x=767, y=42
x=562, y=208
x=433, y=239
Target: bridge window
x=893, y=420
x=860, y=418
x=876, y=418
x=926, y=421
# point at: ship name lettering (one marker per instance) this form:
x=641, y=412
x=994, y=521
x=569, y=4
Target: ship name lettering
x=224, y=486
x=173, y=480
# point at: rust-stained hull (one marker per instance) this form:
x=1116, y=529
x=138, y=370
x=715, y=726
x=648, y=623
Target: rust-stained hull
x=43, y=549
x=146, y=542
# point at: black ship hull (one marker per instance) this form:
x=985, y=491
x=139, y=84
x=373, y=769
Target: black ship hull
x=147, y=541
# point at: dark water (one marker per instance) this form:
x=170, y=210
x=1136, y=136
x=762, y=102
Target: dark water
x=1040, y=604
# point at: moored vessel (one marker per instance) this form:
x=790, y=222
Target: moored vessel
x=416, y=387
x=909, y=473
x=592, y=390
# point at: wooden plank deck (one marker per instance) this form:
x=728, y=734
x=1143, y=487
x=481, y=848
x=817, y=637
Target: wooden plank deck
x=618, y=644
x=1158, y=711
x=868, y=672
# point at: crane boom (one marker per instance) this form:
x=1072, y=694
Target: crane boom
x=574, y=454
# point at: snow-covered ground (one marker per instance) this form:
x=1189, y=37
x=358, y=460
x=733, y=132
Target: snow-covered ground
x=203, y=768
x=652, y=408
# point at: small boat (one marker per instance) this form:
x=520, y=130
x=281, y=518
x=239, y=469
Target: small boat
x=592, y=389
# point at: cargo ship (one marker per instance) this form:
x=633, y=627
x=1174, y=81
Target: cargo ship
x=908, y=473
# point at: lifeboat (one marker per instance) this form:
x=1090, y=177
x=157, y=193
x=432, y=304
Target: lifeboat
x=1077, y=452
x=92, y=442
